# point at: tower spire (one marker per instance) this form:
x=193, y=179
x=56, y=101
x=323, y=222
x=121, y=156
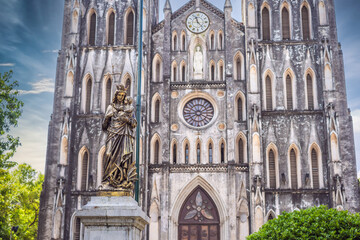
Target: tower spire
x=167, y=6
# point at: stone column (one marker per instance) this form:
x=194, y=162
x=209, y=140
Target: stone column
x=110, y=217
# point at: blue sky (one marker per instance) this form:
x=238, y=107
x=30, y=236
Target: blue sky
x=30, y=36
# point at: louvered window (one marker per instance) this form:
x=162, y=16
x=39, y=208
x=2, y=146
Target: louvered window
x=269, y=105
x=186, y=153
x=88, y=96
x=183, y=73
x=92, y=29
x=310, y=92
x=241, y=150
x=212, y=73
x=174, y=153
x=77, y=229
x=111, y=29
x=285, y=23
x=266, y=24
x=108, y=93
x=272, y=171
x=210, y=153
x=289, y=95
x=240, y=109
x=198, y=152
x=130, y=29
x=156, y=152
x=305, y=23
x=157, y=111
x=84, y=171
x=293, y=169
x=128, y=86
x=222, y=153
x=238, y=69
x=315, y=168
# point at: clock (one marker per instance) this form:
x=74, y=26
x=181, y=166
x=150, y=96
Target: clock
x=197, y=22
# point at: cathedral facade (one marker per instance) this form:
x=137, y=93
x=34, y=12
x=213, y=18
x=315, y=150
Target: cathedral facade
x=240, y=121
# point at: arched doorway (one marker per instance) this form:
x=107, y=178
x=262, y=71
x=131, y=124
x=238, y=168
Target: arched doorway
x=199, y=217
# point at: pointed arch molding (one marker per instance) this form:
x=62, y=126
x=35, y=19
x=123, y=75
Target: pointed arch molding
x=182, y=196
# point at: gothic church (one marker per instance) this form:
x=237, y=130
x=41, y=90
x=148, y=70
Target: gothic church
x=240, y=120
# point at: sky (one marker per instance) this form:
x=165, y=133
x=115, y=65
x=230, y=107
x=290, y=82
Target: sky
x=30, y=37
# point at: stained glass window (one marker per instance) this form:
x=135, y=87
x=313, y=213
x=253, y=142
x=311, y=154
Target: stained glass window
x=198, y=112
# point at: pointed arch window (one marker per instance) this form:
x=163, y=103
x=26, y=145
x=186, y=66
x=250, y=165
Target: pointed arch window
x=130, y=29
x=111, y=29
x=157, y=71
x=183, y=42
x=156, y=152
x=268, y=87
x=222, y=153
x=174, y=153
x=174, y=42
x=305, y=22
x=212, y=72
x=198, y=153
x=238, y=68
x=266, y=23
x=293, y=169
x=272, y=171
x=210, y=153
x=240, y=109
x=315, y=169
x=157, y=111
x=183, y=73
x=128, y=86
x=84, y=171
x=221, y=72
x=186, y=153
x=221, y=44
x=174, y=73
x=310, y=92
x=285, y=18
x=88, y=96
x=241, y=150
x=92, y=29
x=289, y=95
x=212, y=41
x=108, y=93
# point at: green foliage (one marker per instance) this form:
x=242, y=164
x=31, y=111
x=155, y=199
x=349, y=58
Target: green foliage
x=20, y=190
x=10, y=111
x=313, y=223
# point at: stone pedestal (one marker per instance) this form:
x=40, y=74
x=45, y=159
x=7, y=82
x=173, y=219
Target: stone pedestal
x=106, y=218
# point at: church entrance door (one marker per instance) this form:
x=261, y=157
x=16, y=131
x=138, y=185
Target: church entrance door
x=199, y=217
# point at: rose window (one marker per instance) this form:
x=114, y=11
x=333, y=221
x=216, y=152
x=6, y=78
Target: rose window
x=198, y=112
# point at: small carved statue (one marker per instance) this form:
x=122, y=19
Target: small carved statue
x=198, y=62
x=119, y=123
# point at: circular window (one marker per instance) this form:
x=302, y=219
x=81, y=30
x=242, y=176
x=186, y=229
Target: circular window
x=198, y=112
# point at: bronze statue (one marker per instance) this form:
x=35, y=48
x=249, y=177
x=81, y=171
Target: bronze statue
x=119, y=123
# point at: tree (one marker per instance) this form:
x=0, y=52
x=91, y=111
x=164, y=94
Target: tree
x=10, y=111
x=313, y=223
x=20, y=191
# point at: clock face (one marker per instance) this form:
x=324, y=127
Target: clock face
x=197, y=22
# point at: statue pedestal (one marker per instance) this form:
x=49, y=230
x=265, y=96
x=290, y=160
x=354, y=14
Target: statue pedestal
x=106, y=218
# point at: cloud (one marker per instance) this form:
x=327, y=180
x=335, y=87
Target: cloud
x=7, y=64
x=44, y=85
x=356, y=120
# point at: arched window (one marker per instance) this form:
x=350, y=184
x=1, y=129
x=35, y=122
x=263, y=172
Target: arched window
x=222, y=153
x=183, y=73
x=221, y=40
x=111, y=28
x=268, y=87
x=174, y=153
x=221, y=70
x=183, y=42
x=88, y=95
x=157, y=69
x=212, y=41
x=289, y=95
x=322, y=13
x=92, y=29
x=210, y=153
x=156, y=152
x=310, y=92
x=241, y=150
x=107, y=93
x=238, y=68
x=285, y=18
x=212, y=72
x=186, y=153
x=157, y=111
x=305, y=21
x=174, y=72
x=266, y=23
x=315, y=168
x=128, y=86
x=272, y=169
x=129, y=37
x=84, y=171
x=293, y=169
x=240, y=109
x=198, y=152
x=174, y=42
